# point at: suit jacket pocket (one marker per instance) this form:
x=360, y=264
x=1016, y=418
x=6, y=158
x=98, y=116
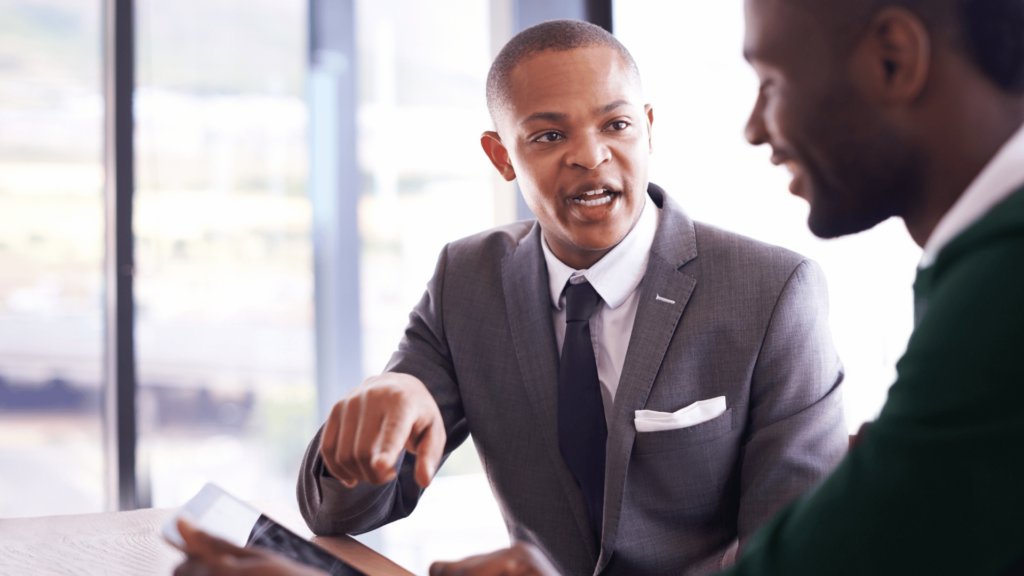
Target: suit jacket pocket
x=669, y=440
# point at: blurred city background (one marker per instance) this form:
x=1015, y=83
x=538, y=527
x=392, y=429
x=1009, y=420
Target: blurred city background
x=224, y=257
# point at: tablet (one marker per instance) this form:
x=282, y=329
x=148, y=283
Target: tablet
x=222, y=515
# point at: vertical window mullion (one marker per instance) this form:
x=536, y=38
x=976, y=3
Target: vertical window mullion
x=119, y=353
x=334, y=188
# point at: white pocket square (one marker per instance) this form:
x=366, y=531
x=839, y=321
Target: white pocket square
x=653, y=421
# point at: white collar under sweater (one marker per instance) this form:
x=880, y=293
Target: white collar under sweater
x=1001, y=177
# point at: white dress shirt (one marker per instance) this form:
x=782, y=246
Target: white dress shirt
x=1001, y=177
x=616, y=278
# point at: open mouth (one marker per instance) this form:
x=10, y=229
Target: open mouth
x=797, y=173
x=595, y=198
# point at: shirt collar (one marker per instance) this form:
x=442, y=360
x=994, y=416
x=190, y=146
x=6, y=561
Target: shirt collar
x=616, y=275
x=999, y=178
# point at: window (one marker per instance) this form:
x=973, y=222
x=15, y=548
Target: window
x=224, y=278
x=51, y=258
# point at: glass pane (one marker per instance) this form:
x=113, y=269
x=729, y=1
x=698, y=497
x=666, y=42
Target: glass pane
x=51, y=257
x=224, y=264
x=689, y=54
x=422, y=109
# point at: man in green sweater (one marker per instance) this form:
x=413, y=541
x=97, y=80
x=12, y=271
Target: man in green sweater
x=908, y=108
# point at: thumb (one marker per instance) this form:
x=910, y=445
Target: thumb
x=428, y=446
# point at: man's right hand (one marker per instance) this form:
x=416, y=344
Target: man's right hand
x=521, y=559
x=368, y=429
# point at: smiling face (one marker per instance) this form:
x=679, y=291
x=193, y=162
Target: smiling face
x=852, y=165
x=577, y=136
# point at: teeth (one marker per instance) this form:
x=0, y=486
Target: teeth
x=594, y=192
x=597, y=202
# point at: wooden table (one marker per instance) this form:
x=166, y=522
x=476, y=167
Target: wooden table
x=130, y=543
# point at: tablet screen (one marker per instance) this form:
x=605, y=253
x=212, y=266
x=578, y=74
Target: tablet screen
x=272, y=536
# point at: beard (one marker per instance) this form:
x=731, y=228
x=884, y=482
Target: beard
x=863, y=170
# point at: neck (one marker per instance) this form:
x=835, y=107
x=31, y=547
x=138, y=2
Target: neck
x=576, y=258
x=961, y=137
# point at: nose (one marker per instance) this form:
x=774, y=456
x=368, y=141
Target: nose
x=588, y=151
x=755, y=131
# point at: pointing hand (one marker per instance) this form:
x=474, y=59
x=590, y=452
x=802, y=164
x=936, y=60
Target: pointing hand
x=368, y=429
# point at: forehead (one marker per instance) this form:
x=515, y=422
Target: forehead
x=782, y=31
x=553, y=80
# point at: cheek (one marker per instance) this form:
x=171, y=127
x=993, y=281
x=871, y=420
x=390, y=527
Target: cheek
x=632, y=157
x=789, y=114
x=534, y=171
x=776, y=121
x=538, y=194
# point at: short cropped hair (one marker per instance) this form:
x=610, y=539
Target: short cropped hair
x=993, y=34
x=989, y=32
x=557, y=35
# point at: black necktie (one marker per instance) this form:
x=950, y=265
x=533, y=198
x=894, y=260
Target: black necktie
x=582, y=432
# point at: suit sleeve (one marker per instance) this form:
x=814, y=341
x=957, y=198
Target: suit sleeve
x=797, y=431
x=934, y=487
x=330, y=508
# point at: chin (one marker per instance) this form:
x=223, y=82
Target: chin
x=604, y=238
x=835, y=223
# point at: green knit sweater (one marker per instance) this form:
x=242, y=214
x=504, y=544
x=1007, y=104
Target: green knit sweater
x=936, y=486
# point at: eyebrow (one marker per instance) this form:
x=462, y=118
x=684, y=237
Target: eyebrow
x=559, y=116
x=549, y=116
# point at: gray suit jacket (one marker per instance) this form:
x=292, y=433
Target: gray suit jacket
x=749, y=323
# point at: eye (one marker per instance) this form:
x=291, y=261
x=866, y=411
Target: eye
x=619, y=125
x=549, y=137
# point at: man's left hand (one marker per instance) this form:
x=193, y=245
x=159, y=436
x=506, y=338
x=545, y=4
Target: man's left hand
x=210, y=556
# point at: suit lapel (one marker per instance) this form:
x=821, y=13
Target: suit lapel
x=664, y=293
x=528, y=299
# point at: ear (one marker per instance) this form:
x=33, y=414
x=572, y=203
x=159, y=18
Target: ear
x=891, y=62
x=496, y=151
x=649, y=110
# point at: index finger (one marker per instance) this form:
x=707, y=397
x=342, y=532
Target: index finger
x=391, y=439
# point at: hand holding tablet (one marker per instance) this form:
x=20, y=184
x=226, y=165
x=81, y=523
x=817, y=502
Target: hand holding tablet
x=223, y=535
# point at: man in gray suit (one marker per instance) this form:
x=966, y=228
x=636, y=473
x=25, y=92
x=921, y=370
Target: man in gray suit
x=643, y=390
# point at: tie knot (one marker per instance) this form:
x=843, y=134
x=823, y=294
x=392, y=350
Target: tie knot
x=580, y=301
